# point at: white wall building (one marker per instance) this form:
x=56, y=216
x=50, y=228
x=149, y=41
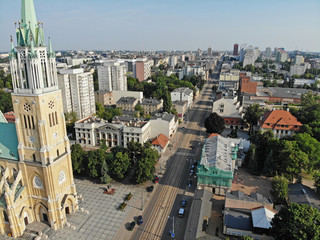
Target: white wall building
x=163, y=123
x=136, y=131
x=173, y=60
x=78, y=92
x=112, y=76
x=182, y=94
x=119, y=94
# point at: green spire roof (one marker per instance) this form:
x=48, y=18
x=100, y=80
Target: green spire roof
x=51, y=53
x=28, y=15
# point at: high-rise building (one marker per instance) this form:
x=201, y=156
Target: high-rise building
x=209, y=51
x=112, y=76
x=268, y=53
x=78, y=92
x=298, y=59
x=281, y=55
x=37, y=181
x=235, y=49
x=143, y=69
x=173, y=60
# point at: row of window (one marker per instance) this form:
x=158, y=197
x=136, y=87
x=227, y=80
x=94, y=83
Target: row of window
x=53, y=119
x=28, y=122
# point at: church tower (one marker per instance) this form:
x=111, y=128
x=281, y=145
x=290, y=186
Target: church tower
x=43, y=165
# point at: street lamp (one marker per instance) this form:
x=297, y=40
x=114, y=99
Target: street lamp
x=172, y=233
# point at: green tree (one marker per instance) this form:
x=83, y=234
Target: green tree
x=145, y=167
x=280, y=188
x=95, y=159
x=167, y=103
x=214, y=123
x=95, y=80
x=78, y=158
x=296, y=221
x=293, y=160
x=251, y=159
x=311, y=147
x=105, y=177
x=119, y=165
x=253, y=113
x=5, y=102
x=71, y=117
x=140, y=109
x=246, y=238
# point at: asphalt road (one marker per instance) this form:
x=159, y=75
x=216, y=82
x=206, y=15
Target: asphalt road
x=165, y=202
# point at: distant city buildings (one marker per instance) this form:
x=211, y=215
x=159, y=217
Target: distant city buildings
x=77, y=92
x=268, y=53
x=143, y=69
x=209, y=51
x=282, y=55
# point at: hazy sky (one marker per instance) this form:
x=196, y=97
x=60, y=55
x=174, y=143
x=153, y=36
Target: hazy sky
x=171, y=24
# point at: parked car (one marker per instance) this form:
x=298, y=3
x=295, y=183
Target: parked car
x=195, y=163
x=131, y=226
x=189, y=182
x=140, y=220
x=150, y=189
x=183, y=203
x=181, y=212
x=156, y=179
x=191, y=172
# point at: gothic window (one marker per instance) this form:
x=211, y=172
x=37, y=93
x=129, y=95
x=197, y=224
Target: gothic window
x=27, y=107
x=51, y=104
x=15, y=173
x=5, y=216
x=56, y=117
x=34, y=157
x=53, y=122
x=58, y=153
x=50, y=120
x=61, y=177
x=37, y=182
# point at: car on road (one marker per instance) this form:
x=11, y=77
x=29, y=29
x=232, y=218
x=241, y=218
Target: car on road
x=191, y=172
x=183, y=203
x=195, y=163
x=156, y=179
x=131, y=226
x=181, y=212
x=193, y=166
x=150, y=189
x=140, y=220
x=189, y=182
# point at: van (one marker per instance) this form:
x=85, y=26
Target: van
x=181, y=212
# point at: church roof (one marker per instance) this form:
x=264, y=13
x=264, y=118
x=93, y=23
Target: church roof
x=8, y=141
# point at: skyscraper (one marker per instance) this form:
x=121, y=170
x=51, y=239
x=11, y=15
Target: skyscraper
x=209, y=51
x=236, y=49
x=112, y=76
x=268, y=53
x=37, y=181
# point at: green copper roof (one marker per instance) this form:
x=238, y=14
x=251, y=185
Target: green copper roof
x=51, y=53
x=28, y=15
x=8, y=141
x=2, y=118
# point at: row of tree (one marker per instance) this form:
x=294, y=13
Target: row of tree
x=137, y=160
x=5, y=80
x=107, y=113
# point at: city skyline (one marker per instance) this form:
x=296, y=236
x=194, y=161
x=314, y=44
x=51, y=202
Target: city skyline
x=182, y=25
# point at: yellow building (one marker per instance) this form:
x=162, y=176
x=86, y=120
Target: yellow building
x=36, y=172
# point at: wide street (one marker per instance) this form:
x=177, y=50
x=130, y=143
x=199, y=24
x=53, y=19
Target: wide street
x=164, y=205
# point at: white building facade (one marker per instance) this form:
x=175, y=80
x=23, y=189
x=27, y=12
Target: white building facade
x=112, y=76
x=78, y=89
x=182, y=94
x=163, y=123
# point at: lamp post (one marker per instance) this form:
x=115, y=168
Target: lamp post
x=172, y=233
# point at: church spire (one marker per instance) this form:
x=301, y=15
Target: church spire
x=51, y=53
x=28, y=15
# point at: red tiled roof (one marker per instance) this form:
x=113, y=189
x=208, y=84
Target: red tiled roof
x=161, y=141
x=280, y=120
x=247, y=86
x=213, y=134
x=10, y=116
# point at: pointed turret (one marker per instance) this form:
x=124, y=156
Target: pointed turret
x=28, y=15
x=12, y=54
x=51, y=53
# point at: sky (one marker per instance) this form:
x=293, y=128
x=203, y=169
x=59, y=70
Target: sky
x=170, y=24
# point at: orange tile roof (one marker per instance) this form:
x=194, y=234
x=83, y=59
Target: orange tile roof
x=10, y=116
x=161, y=141
x=247, y=86
x=279, y=120
x=213, y=134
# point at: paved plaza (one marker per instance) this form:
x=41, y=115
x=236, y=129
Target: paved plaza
x=103, y=219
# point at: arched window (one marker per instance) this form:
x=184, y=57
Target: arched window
x=58, y=153
x=34, y=157
x=5, y=216
x=15, y=173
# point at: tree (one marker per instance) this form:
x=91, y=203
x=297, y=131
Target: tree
x=78, y=158
x=280, y=188
x=145, y=167
x=214, y=123
x=311, y=147
x=105, y=177
x=95, y=159
x=316, y=177
x=5, y=102
x=140, y=109
x=119, y=165
x=296, y=221
x=293, y=160
x=253, y=113
x=251, y=159
x=71, y=117
x=246, y=238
